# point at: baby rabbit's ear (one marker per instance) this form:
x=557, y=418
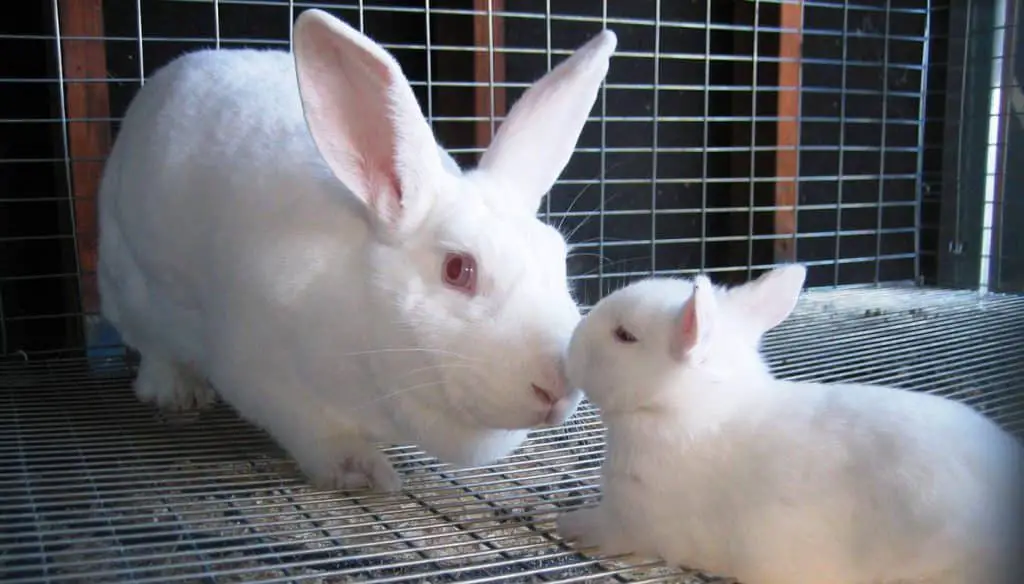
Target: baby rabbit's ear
x=365, y=120
x=769, y=300
x=695, y=322
x=536, y=140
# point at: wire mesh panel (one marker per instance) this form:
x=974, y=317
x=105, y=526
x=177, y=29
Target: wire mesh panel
x=1008, y=250
x=728, y=137
x=95, y=487
x=972, y=135
x=1005, y=254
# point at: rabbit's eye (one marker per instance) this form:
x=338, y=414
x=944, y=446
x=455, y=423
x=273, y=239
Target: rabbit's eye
x=624, y=336
x=459, y=272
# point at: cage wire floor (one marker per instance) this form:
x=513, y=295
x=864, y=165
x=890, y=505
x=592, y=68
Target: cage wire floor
x=95, y=487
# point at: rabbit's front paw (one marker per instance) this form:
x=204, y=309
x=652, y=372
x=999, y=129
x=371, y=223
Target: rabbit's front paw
x=588, y=528
x=354, y=468
x=172, y=387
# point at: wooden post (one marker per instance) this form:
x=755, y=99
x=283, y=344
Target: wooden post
x=87, y=107
x=788, y=128
x=488, y=32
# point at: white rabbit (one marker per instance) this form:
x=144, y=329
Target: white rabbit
x=713, y=463
x=285, y=230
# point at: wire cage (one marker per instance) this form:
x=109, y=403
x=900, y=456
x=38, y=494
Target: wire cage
x=870, y=140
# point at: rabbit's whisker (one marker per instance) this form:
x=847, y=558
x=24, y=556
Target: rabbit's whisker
x=409, y=350
x=593, y=180
x=614, y=263
x=417, y=386
x=591, y=215
x=439, y=367
x=576, y=199
x=588, y=254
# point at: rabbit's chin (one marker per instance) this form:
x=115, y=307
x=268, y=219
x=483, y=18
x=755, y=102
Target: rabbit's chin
x=563, y=411
x=454, y=428
x=467, y=434
x=465, y=446
x=495, y=417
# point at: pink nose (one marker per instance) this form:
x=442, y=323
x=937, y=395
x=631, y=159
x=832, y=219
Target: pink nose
x=545, y=395
x=551, y=385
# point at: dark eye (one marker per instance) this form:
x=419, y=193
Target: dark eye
x=624, y=336
x=459, y=272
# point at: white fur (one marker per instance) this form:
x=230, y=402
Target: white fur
x=282, y=244
x=714, y=464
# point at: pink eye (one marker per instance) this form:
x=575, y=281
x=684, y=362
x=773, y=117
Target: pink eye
x=624, y=336
x=460, y=272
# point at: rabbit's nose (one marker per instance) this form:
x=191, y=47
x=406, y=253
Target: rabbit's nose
x=545, y=395
x=551, y=386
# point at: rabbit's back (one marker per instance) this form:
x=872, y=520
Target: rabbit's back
x=848, y=482
x=212, y=176
x=883, y=479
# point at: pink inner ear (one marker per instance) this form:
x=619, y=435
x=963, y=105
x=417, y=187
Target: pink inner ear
x=687, y=331
x=356, y=113
x=383, y=188
x=371, y=130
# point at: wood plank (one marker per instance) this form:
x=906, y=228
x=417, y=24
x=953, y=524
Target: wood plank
x=484, y=25
x=788, y=130
x=88, y=107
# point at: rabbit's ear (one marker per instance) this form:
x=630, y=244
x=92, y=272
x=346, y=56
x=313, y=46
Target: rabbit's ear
x=365, y=120
x=695, y=322
x=536, y=140
x=767, y=301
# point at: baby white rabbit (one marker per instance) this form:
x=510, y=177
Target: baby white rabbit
x=713, y=463
x=285, y=230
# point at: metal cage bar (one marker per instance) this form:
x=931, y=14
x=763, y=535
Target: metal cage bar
x=679, y=91
x=728, y=137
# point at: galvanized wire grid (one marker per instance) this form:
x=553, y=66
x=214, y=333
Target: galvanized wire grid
x=1000, y=257
x=95, y=487
x=673, y=174
x=973, y=133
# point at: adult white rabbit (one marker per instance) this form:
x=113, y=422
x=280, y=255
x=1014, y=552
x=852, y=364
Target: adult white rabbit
x=713, y=463
x=285, y=230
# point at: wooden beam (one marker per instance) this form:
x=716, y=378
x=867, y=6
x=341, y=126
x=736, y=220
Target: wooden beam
x=790, y=41
x=488, y=33
x=87, y=107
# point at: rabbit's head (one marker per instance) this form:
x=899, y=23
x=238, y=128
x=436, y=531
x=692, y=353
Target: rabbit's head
x=678, y=335
x=468, y=287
